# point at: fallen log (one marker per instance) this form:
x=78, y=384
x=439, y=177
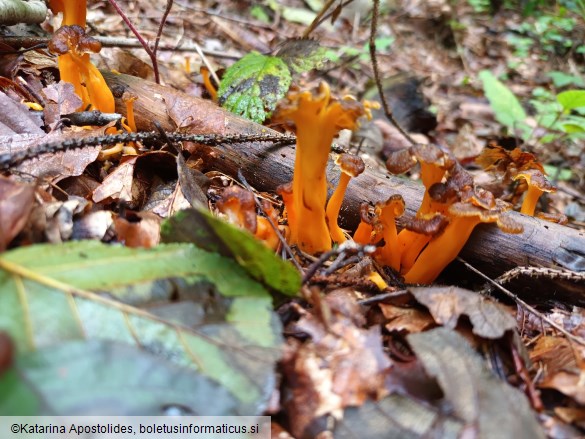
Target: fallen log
x=543, y=244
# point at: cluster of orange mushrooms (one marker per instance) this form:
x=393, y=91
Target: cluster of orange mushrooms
x=451, y=207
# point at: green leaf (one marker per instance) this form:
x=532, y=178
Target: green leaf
x=202, y=228
x=561, y=79
x=571, y=99
x=50, y=294
x=302, y=55
x=258, y=12
x=253, y=86
x=506, y=106
x=561, y=174
x=106, y=378
x=298, y=15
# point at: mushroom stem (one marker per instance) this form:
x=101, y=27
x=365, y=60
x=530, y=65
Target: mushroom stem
x=430, y=174
x=530, y=200
x=99, y=95
x=390, y=254
x=206, y=75
x=441, y=251
x=310, y=188
x=411, y=244
x=387, y=213
x=74, y=11
x=363, y=233
x=333, y=208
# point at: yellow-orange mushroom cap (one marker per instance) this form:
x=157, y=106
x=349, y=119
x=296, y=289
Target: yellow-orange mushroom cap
x=537, y=185
x=445, y=247
x=351, y=166
x=318, y=119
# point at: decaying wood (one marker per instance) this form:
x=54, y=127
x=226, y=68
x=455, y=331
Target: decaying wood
x=542, y=244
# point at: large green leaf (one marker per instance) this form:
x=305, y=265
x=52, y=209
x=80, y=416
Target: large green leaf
x=506, y=106
x=571, y=99
x=253, y=85
x=108, y=378
x=51, y=294
x=199, y=226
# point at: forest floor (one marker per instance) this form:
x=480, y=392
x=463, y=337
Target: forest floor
x=356, y=364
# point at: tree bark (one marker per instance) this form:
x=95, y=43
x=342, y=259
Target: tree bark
x=542, y=244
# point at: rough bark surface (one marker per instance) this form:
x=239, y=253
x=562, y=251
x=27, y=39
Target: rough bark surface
x=542, y=244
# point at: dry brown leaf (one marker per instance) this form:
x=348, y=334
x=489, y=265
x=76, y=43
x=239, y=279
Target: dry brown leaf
x=406, y=319
x=16, y=203
x=143, y=231
x=17, y=118
x=447, y=304
x=569, y=383
x=60, y=99
x=341, y=365
x=118, y=185
x=555, y=353
x=489, y=406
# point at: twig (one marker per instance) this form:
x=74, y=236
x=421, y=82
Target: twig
x=274, y=226
x=30, y=43
x=346, y=248
x=525, y=305
x=207, y=63
x=373, y=56
x=9, y=160
x=161, y=26
x=151, y=53
x=317, y=19
x=381, y=297
x=330, y=13
x=549, y=273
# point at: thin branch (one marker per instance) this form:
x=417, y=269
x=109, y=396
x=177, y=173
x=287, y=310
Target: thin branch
x=373, y=56
x=151, y=53
x=317, y=19
x=525, y=305
x=161, y=26
x=206, y=63
x=30, y=43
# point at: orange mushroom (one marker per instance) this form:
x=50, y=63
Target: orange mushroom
x=363, y=233
x=435, y=164
x=72, y=46
x=318, y=118
x=445, y=247
x=239, y=206
x=386, y=213
x=351, y=166
x=74, y=11
x=206, y=75
x=423, y=229
x=537, y=185
x=128, y=98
